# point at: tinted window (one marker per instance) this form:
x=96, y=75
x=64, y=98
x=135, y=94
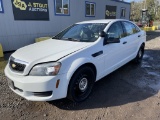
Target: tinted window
x=115, y=31
x=130, y=28
x=137, y=29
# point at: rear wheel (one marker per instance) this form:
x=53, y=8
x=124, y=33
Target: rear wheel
x=81, y=84
x=140, y=54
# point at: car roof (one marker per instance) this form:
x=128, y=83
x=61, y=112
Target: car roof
x=102, y=21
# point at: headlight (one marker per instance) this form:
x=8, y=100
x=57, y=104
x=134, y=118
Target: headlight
x=46, y=69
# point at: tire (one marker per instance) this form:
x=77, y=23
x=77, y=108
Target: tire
x=81, y=84
x=139, y=56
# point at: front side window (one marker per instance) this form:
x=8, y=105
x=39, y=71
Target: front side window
x=87, y=32
x=123, y=12
x=90, y=9
x=62, y=7
x=115, y=31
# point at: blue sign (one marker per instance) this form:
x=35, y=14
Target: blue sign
x=1, y=7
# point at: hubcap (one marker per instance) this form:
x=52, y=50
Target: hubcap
x=83, y=84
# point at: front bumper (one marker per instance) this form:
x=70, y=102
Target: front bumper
x=30, y=87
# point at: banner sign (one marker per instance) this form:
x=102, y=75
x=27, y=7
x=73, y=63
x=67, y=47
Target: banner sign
x=110, y=12
x=1, y=7
x=30, y=9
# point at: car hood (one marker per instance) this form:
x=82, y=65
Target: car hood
x=42, y=50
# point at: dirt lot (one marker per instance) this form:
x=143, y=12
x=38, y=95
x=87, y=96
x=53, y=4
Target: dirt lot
x=130, y=93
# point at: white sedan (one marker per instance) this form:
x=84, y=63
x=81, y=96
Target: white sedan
x=69, y=64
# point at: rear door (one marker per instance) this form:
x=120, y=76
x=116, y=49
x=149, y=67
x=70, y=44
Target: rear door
x=132, y=39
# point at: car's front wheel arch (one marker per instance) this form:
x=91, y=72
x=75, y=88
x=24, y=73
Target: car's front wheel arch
x=90, y=78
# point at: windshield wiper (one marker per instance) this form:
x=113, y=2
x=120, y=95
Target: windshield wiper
x=71, y=39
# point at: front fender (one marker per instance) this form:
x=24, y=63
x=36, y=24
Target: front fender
x=75, y=65
x=69, y=70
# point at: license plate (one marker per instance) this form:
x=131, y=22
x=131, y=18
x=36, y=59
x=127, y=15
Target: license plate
x=10, y=83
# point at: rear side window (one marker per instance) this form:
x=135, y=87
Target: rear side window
x=137, y=29
x=130, y=28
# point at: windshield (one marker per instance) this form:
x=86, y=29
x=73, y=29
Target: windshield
x=88, y=32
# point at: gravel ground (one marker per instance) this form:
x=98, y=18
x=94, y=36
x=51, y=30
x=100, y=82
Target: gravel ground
x=130, y=93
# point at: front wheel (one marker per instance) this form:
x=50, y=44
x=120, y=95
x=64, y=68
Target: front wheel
x=81, y=84
x=140, y=54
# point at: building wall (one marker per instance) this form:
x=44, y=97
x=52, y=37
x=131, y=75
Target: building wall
x=16, y=34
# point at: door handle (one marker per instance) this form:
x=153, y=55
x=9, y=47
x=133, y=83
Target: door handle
x=139, y=35
x=124, y=42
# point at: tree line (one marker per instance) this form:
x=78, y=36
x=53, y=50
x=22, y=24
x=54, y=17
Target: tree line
x=153, y=7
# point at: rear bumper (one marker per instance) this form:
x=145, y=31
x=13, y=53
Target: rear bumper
x=37, y=88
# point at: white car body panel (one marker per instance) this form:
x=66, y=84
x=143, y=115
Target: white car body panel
x=71, y=55
x=38, y=52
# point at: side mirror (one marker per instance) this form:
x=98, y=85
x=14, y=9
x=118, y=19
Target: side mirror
x=102, y=34
x=111, y=40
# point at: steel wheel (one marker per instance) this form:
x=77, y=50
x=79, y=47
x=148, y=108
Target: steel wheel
x=81, y=84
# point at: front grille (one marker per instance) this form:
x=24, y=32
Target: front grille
x=19, y=67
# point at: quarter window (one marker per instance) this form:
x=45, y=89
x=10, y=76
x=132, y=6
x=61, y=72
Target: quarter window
x=62, y=7
x=123, y=12
x=90, y=9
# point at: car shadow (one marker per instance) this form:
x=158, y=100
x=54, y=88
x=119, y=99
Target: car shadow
x=120, y=87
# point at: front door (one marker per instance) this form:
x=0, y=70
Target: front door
x=114, y=53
